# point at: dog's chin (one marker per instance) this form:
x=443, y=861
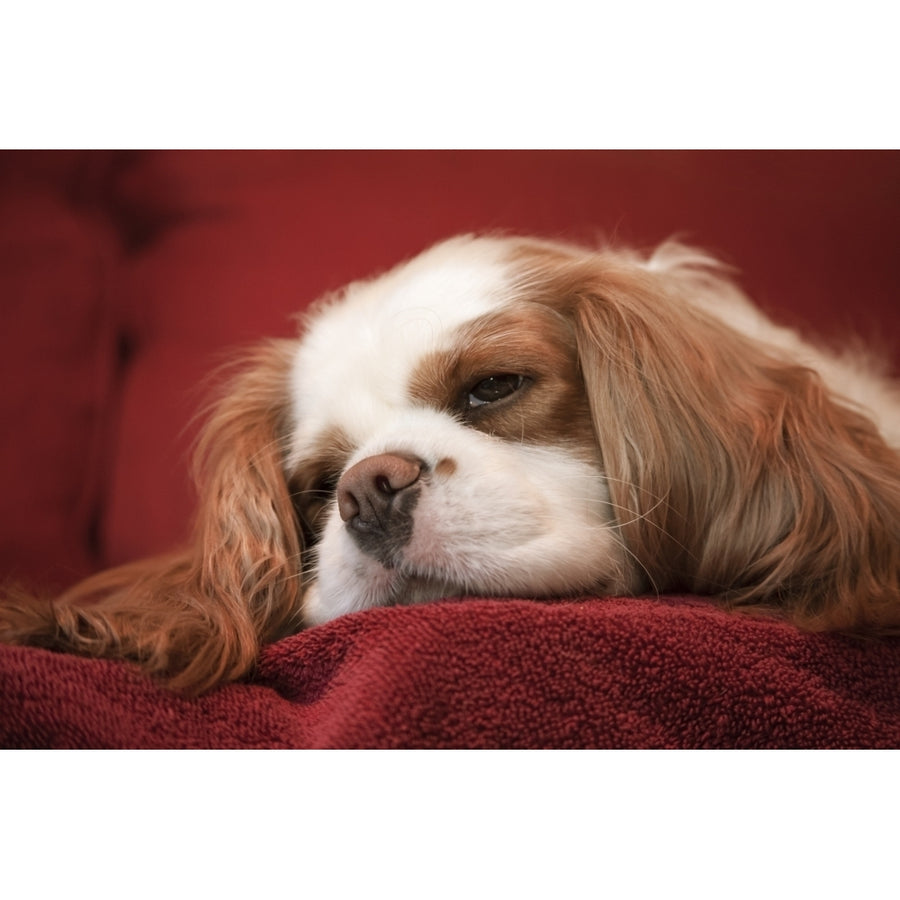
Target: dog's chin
x=387, y=587
x=423, y=589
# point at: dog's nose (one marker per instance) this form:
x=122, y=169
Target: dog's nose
x=376, y=496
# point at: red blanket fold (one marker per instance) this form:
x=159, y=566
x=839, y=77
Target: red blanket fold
x=489, y=673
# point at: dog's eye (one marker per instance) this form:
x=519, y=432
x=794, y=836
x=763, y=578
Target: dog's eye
x=493, y=388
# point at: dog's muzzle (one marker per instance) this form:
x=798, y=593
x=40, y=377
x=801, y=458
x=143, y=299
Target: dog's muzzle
x=376, y=498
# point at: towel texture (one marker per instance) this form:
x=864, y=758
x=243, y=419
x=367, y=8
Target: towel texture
x=665, y=673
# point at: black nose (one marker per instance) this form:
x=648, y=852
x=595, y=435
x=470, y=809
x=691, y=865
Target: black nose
x=376, y=498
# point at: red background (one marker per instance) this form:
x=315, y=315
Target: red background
x=125, y=276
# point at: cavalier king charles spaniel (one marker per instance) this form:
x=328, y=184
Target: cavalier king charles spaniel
x=506, y=416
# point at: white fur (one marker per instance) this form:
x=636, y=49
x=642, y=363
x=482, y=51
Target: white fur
x=503, y=521
x=353, y=366
x=512, y=517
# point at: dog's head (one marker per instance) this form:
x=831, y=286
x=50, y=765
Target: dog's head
x=504, y=416
x=443, y=442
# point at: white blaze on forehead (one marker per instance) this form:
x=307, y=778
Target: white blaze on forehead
x=353, y=366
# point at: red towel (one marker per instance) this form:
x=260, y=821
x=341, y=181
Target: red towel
x=489, y=673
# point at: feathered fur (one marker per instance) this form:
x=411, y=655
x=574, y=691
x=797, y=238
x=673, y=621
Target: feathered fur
x=671, y=437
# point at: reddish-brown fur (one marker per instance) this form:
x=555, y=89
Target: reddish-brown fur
x=732, y=472
x=530, y=339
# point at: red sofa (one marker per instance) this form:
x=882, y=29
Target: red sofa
x=126, y=276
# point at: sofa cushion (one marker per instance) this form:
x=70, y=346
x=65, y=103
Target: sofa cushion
x=57, y=371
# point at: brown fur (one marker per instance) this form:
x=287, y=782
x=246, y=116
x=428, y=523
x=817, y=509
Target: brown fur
x=733, y=473
x=529, y=339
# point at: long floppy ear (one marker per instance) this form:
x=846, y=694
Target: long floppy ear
x=733, y=472
x=197, y=618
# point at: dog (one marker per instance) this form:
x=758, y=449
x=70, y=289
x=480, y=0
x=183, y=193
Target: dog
x=508, y=416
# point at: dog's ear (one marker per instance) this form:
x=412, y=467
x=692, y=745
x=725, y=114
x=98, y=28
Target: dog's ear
x=733, y=472
x=197, y=618
x=247, y=544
